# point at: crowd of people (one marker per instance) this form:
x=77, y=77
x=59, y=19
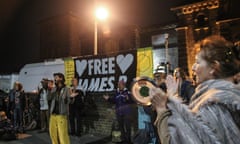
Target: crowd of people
x=213, y=113
x=55, y=104
x=202, y=109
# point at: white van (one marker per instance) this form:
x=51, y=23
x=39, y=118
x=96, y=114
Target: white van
x=31, y=74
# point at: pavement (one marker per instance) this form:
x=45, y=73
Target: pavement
x=33, y=137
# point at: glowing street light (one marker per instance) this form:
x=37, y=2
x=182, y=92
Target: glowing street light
x=100, y=14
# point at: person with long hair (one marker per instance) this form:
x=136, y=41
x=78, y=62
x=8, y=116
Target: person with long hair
x=185, y=88
x=76, y=108
x=213, y=114
x=59, y=99
x=17, y=106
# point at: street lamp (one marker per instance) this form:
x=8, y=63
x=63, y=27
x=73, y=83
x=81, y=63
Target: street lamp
x=100, y=14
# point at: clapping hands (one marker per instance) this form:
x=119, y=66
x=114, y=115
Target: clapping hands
x=172, y=85
x=159, y=97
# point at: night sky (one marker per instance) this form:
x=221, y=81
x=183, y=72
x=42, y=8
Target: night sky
x=19, y=25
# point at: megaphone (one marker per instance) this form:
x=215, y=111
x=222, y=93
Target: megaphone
x=140, y=89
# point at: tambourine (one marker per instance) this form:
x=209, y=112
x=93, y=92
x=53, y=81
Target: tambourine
x=140, y=90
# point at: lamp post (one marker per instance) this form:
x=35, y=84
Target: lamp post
x=166, y=48
x=100, y=14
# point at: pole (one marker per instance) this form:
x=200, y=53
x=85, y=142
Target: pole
x=95, y=38
x=166, y=48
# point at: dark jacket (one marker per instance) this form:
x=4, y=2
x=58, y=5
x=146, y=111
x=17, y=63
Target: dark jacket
x=22, y=99
x=187, y=90
x=78, y=101
x=123, y=102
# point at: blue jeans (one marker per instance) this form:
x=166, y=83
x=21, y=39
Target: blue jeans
x=18, y=118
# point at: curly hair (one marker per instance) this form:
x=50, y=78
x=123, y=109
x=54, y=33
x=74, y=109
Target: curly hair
x=217, y=49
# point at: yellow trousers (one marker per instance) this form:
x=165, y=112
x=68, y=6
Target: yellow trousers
x=58, y=129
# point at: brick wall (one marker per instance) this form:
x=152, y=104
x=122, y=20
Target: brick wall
x=98, y=120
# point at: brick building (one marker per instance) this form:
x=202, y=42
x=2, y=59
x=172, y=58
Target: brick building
x=201, y=19
x=66, y=35
x=194, y=22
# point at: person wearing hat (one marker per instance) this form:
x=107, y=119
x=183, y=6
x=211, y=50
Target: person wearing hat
x=123, y=108
x=59, y=100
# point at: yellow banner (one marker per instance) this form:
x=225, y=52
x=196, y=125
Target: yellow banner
x=69, y=70
x=145, y=62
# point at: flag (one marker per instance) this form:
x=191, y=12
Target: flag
x=69, y=70
x=145, y=62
